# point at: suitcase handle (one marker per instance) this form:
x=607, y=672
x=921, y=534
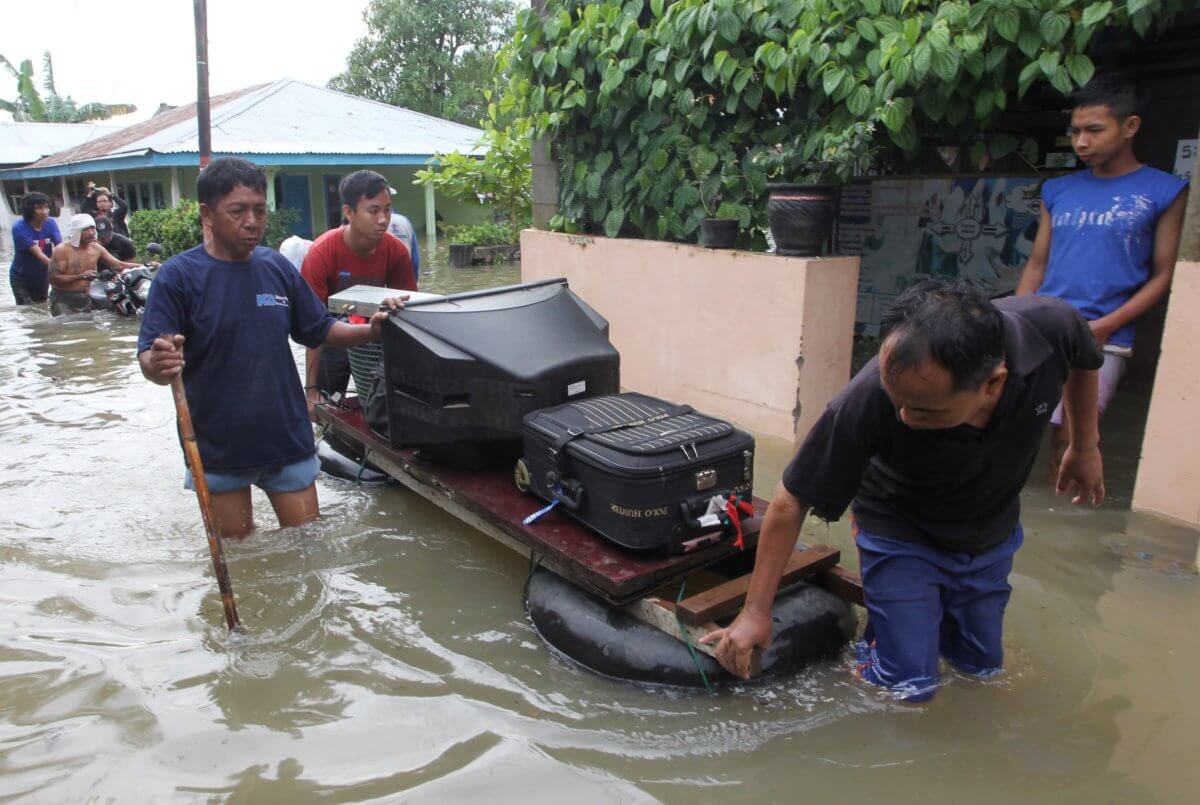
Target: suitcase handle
x=566, y=491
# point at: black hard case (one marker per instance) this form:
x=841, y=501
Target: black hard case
x=636, y=469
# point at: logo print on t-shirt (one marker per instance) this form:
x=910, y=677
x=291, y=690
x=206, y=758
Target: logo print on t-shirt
x=271, y=300
x=1041, y=408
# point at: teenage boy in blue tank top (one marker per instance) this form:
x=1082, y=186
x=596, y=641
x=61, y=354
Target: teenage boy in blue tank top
x=1108, y=236
x=221, y=314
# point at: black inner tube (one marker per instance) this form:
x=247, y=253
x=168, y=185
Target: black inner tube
x=340, y=460
x=808, y=623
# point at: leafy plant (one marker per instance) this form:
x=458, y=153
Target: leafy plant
x=719, y=184
x=29, y=106
x=481, y=235
x=178, y=229
x=503, y=177
x=626, y=88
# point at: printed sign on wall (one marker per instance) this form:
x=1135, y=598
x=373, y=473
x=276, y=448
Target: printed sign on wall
x=905, y=230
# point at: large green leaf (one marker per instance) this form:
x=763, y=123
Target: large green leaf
x=1080, y=68
x=613, y=221
x=1008, y=23
x=1096, y=12
x=1054, y=27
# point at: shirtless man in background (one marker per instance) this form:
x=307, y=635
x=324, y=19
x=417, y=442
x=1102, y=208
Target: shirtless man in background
x=73, y=267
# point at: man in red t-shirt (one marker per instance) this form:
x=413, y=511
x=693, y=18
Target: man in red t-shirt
x=361, y=252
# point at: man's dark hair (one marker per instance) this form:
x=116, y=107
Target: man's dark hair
x=950, y=321
x=359, y=185
x=1119, y=93
x=225, y=173
x=30, y=201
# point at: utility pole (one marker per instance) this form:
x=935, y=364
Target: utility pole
x=203, y=121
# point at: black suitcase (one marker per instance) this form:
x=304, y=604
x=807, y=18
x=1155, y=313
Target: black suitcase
x=638, y=470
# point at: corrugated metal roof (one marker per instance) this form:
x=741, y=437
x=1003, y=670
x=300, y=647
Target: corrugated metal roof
x=286, y=117
x=22, y=143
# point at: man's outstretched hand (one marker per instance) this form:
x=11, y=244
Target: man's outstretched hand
x=736, y=643
x=385, y=309
x=1081, y=474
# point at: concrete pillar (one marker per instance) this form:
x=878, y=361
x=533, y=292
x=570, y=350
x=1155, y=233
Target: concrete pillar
x=430, y=214
x=545, y=183
x=112, y=182
x=1168, y=478
x=25, y=187
x=62, y=184
x=271, y=174
x=174, y=187
x=545, y=167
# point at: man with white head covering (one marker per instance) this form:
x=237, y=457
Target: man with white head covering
x=73, y=267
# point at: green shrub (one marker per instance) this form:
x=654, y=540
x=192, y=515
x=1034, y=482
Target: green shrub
x=178, y=228
x=481, y=235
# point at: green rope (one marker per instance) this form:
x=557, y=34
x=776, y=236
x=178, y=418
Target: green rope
x=362, y=465
x=687, y=641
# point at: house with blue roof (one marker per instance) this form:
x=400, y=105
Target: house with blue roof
x=306, y=137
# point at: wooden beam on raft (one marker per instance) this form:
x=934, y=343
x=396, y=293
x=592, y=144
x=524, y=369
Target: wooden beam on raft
x=660, y=613
x=843, y=583
x=726, y=599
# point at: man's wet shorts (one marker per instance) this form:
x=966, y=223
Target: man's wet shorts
x=288, y=478
x=923, y=603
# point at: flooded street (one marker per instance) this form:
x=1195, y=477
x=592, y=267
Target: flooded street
x=387, y=656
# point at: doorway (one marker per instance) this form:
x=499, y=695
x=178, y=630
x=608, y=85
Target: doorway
x=291, y=193
x=333, y=201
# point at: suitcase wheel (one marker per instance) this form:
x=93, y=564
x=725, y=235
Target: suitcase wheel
x=521, y=476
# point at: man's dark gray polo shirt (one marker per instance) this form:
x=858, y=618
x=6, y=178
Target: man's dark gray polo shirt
x=957, y=489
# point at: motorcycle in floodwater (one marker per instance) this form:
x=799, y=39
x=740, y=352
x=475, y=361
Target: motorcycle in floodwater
x=125, y=293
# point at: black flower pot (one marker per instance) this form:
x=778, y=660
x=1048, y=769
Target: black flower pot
x=801, y=217
x=718, y=233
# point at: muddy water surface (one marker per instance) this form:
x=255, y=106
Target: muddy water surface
x=387, y=657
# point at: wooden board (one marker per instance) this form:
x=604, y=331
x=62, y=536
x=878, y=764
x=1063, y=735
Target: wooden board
x=726, y=599
x=660, y=613
x=490, y=502
x=842, y=583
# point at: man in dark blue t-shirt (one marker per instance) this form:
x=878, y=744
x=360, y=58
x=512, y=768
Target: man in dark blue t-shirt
x=34, y=239
x=221, y=314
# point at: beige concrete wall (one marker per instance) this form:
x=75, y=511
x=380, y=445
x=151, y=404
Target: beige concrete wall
x=762, y=340
x=1168, y=480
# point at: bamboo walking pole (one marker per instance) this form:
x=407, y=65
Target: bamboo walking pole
x=192, y=451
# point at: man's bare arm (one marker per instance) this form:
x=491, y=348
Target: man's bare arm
x=1034, y=272
x=108, y=259
x=1082, y=468
x=752, y=627
x=1166, y=250
x=58, y=268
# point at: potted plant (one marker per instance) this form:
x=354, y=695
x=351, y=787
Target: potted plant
x=801, y=209
x=717, y=178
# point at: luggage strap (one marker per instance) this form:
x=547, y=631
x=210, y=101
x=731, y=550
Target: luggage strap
x=558, y=446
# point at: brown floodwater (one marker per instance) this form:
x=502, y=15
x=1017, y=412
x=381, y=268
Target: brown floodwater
x=387, y=657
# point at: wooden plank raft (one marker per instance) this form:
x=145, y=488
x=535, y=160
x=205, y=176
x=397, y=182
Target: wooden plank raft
x=490, y=502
